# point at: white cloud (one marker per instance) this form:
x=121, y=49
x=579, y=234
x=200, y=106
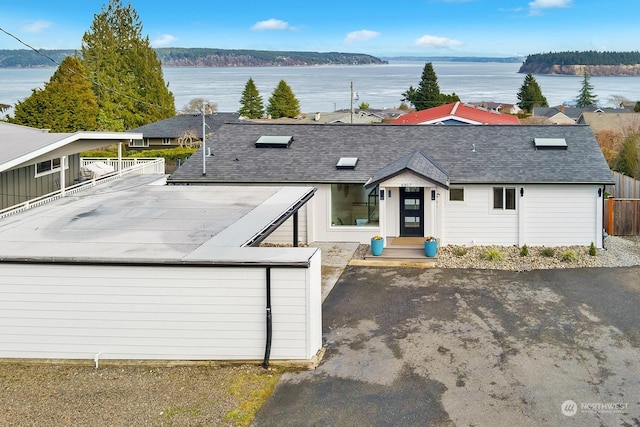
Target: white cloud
x=270, y=24
x=361, y=35
x=438, y=42
x=537, y=6
x=35, y=26
x=163, y=40
x=512, y=10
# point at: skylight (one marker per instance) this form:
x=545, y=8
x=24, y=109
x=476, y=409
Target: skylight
x=550, y=143
x=274, y=141
x=347, y=163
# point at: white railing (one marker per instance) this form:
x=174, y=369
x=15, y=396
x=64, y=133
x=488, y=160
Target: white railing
x=144, y=167
x=127, y=162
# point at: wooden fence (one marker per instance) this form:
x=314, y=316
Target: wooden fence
x=625, y=187
x=622, y=217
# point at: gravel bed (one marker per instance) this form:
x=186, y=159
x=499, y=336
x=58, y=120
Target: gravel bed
x=618, y=252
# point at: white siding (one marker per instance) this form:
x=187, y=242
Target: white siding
x=474, y=221
x=157, y=312
x=546, y=215
x=560, y=215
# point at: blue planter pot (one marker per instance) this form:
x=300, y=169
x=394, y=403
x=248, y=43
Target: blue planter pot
x=377, y=246
x=431, y=248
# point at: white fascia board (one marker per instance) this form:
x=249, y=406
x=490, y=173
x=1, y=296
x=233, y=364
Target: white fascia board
x=65, y=140
x=451, y=117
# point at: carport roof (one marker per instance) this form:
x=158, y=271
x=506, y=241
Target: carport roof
x=23, y=145
x=138, y=219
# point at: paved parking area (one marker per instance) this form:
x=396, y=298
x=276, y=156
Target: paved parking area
x=445, y=347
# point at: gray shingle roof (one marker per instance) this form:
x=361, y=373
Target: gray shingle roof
x=503, y=154
x=417, y=162
x=176, y=126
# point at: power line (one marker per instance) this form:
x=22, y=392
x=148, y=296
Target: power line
x=115, y=91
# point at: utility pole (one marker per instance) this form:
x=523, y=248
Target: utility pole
x=204, y=156
x=351, y=102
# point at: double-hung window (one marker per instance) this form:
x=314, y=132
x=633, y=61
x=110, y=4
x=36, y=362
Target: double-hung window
x=504, y=198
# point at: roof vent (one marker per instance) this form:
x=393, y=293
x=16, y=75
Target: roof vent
x=550, y=143
x=270, y=141
x=347, y=163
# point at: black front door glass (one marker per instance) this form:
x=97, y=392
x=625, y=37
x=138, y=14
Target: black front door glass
x=411, y=211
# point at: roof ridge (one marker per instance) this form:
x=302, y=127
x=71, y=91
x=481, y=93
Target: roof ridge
x=455, y=107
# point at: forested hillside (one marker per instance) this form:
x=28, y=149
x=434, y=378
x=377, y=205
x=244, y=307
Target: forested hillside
x=206, y=57
x=200, y=57
x=576, y=63
x=25, y=58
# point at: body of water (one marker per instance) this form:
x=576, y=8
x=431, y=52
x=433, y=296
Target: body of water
x=327, y=88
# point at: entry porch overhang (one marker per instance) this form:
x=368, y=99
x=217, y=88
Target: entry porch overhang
x=418, y=163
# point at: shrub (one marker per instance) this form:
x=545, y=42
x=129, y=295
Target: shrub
x=460, y=251
x=524, y=250
x=592, y=249
x=493, y=254
x=168, y=153
x=547, y=252
x=569, y=256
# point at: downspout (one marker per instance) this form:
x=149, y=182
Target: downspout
x=267, y=350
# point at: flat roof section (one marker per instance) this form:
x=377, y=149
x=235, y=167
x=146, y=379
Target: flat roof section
x=133, y=219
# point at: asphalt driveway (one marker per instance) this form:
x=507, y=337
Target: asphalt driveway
x=444, y=347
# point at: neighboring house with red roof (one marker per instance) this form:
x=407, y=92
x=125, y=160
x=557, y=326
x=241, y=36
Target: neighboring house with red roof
x=456, y=113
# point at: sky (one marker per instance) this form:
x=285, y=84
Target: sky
x=500, y=28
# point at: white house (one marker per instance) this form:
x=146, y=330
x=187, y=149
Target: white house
x=484, y=185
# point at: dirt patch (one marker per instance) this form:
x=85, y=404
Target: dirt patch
x=38, y=395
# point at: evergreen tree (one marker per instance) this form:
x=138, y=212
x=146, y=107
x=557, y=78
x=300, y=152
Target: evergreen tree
x=586, y=98
x=251, y=101
x=530, y=95
x=283, y=102
x=65, y=104
x=427, y=95
x=628, y=160
x=125, y=70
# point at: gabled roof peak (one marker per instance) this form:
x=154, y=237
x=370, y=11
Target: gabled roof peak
x=417, y=162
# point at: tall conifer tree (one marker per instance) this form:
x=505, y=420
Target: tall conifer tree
x=65, y=104
x=251, y=101
x=427, y=95
x=586, y=98
x=283, y=102
x=125, y=70
x=530, y=94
